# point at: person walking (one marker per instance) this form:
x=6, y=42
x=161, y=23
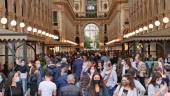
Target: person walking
x=12, y=88
x=97, y=86
x=157, y=87
x=47, y=87
x=70, y=89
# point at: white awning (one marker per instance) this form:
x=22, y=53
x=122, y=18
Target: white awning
x=7, y=35
x=160, y=35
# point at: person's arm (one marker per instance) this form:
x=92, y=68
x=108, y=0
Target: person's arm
x=140, y=87
x=135, y=93
x=54, y=90
x=161, y=91
x=116, y=93
x=39, y=89
x=114, y=77
x=151, y=90
x=54, y=93
x=39, y=92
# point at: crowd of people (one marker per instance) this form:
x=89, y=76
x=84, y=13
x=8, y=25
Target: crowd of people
x=90, y=73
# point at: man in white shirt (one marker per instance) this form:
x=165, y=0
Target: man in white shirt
x=47, y=87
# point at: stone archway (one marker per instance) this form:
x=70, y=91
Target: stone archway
x=91, y=36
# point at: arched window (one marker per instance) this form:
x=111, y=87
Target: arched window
x=91, y=36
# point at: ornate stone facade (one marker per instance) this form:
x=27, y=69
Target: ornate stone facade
x=72, y=19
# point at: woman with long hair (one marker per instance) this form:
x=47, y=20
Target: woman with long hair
x=126, y=65
x=157, y=86
x=12, y=87
x=127, y=87
x=97, y=86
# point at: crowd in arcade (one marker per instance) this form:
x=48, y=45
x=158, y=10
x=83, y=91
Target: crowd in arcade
x=90, y=73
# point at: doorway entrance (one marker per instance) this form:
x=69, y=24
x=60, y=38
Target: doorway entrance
x=91, y=36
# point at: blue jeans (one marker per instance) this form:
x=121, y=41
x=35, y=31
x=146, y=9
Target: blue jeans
x=24, y=84
x=85, y=92
x=110, y=90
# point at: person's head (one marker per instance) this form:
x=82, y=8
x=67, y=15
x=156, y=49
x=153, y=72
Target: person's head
x=114, y=67
x=64, y=60
x=30, y=63
x=10, y=66
x=132, y=71
x=126, y=62
x=156, y=69
x=137, y=58
x=51, y=62
x=33, y=69
x=85, y=57
x=13, y=77
x=96, y=79
x=92, y=70
x=108, y=65
x=38, y=64
x=86, y=65
x=48, y=75
x=160, y=59
x=64, y=70
x=71, y=79
x=22, y=62
x=123, y=61
x=131, y=59
x=156, y=79
x=127, y=80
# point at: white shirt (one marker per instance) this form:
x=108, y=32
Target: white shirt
x=47, y=88
x=152, y=89
x=119, y=91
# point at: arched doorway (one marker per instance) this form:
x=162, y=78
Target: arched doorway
x=91, y=36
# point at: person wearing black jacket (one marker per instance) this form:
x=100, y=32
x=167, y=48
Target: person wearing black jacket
x=13, y=89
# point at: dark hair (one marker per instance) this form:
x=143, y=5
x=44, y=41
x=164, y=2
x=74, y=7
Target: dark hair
x=132, y=71
x=155, y=76
x=127, y=60
x=92, y=84
x=33, y=69
x=48, y=73
x=131, y=82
